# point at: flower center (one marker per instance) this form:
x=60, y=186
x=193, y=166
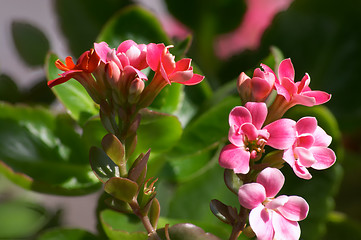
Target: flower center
x=255, y=147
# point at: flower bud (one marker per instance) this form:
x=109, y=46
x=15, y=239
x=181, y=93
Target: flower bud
x=113, y=73
x=135, y=89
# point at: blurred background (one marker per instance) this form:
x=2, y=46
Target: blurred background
x=323, y=38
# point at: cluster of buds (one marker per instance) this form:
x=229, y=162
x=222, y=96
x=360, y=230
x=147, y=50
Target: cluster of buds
x=302, y=144
x=115, y=80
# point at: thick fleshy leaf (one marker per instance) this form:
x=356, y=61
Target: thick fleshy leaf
x=154, y=213
x=42, y=152
x=103, y=167
x=121, y=188
x=120, y=226
x=72, y=94
x=272, y=180
x=67, y=234
x=126, y=24
x=185, y=231
x=20, y=220
x=114, y=149
x=31, y=43
x=223, y=212
x=251, y=195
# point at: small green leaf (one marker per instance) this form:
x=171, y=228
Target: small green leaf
x=120, y=226
x=114, y=149
x=31, y=43
x=72, y=94
x=232, y=181
x=103, y=167
x=8, y=89
x=121, y=188
x=138, y=170
x=154, y=213
x=223, y=212
x=186, y=231
x=133, y=23
x=67, y=234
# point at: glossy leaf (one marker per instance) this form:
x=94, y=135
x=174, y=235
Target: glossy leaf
x=121, y=226
x=72, y=94
x=103, y=167
x=154, y=213
x=185, y=231
x=82, y=20
x=138, y=170
x=67, y=234
x=133, y=23
x=121, y=188
x=225, y=213
x=114, y=149
x=42, y=152
x=21, y=220
x=31, y=43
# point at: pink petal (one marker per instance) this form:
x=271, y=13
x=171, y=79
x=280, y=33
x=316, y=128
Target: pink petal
x=272, y=180
x=258, y=112
x=238, y=116
x=194, y=80
x=181, y=76
x=281, y=90
x=301, y=171
x=319, y=96
x=304, y=83
x=183, y=64
x=286, y=70
x=250, y=131
x=261, y=222
x=284, y=228
x=305, y=156
x=154, y=53
x=251, y=195
x=289, y=157
x=102, y=50
x=124, y=46
x=305, y=140
x=168, y=63
x=282, y=133
x=289, y=85
x=130, y=70
x=322, y=139
x=268, y=70
x=303, y=100
x=277, y=202
x=295, y=209
x=306, y=125
x=325, y=157
x=233, y=157
x=261, y=88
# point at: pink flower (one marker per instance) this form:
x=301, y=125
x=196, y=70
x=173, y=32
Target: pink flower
x=258, y=17
x=167, y=70
x=248, y=138
x=291, y=93
x=272, y=218
x=310, y=148
x=257, y=88
x=130, y=57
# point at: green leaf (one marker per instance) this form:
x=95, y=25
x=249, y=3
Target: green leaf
x=340, y=226
x=21, y=220
x=31, y=43
x=114, y=149
x=185, y=231
x=133, y=23
x=72, y=94
x=42, y=152
x=67, y=234
x=121, y=226
x=82, y=20
x=103, y=167
x=121, y=188
x=8, y=89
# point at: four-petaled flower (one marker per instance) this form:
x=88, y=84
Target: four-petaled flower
x=248, y=138
x=272, y=218
x=310, y=148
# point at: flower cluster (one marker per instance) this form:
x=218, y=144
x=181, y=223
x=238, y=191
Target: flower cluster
x=301, y=144
x=116, y=74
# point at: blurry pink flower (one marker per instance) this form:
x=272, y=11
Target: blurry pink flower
x=257, y=88
x=291, y=93
x=272, y=218
x=248, y=138
x=173, y=27
x=257, y=18
x=310, y=148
